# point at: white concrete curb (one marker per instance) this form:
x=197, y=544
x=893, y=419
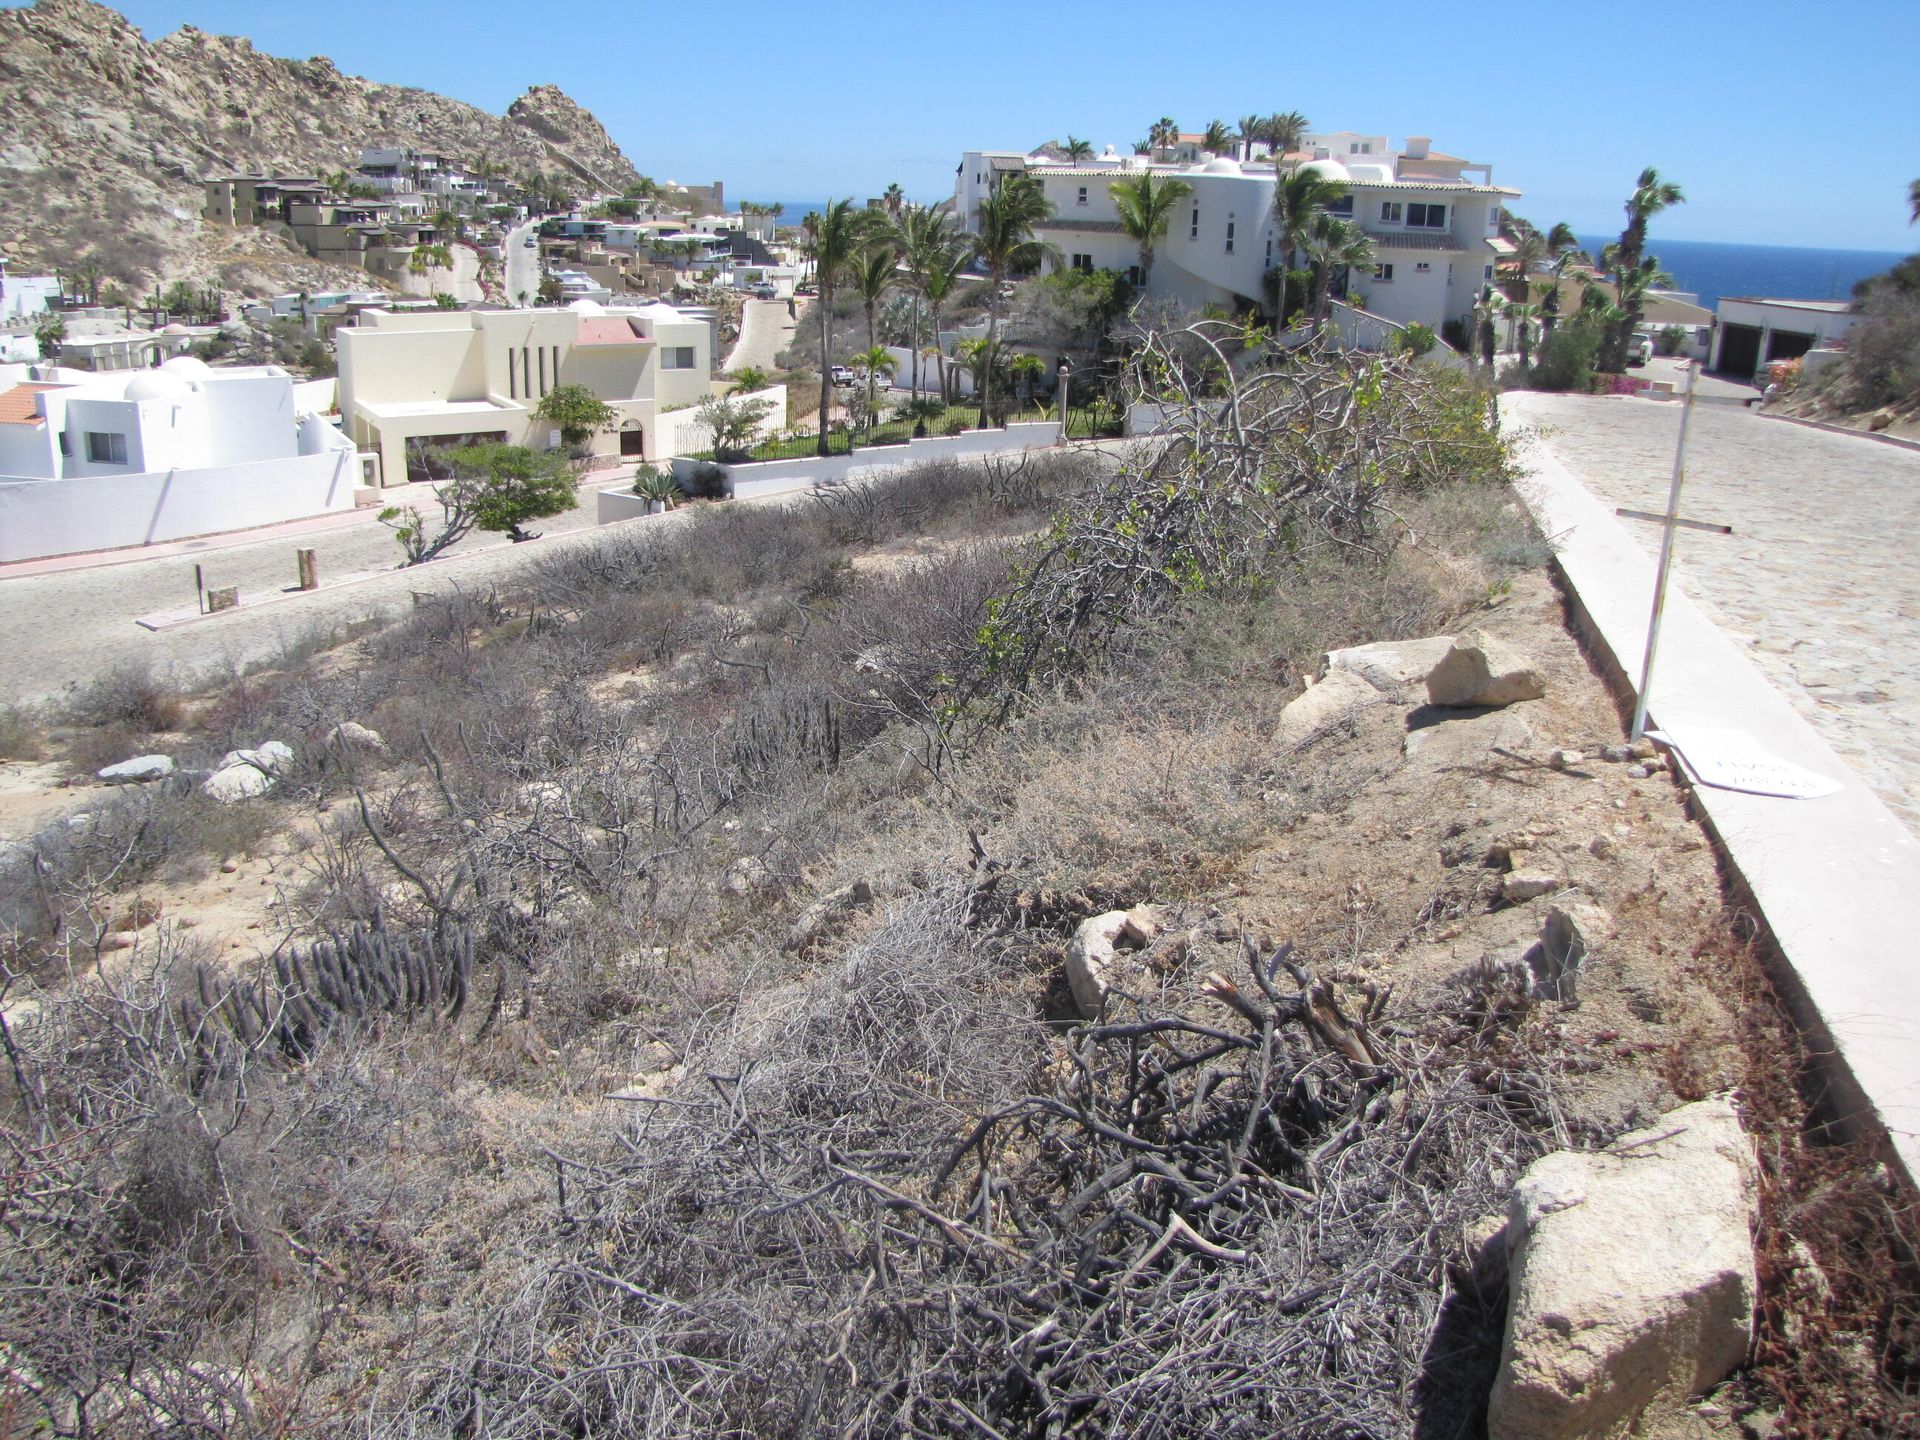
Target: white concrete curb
x=1837, y=879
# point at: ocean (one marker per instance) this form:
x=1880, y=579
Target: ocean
x=1714, y=270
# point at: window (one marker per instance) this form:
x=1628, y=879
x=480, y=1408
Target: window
x=543, y=369
x=1427, y=217
x=1229, y=234
x=1134, y=277
x=1360, y=147
x=1421, y=267
x=1269, y=250
x=1383, y=273
x=676, y=357
x=1193, y=226
x=1389, y=212
x=106, y=448
x=65, y=449
x=1489, y=272
x=1342, y=206
x=1083, y=195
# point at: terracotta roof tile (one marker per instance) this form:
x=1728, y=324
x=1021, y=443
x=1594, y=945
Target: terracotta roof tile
x=16, y=405
x=605, y=330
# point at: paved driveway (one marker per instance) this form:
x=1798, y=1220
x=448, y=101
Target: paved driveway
x=1819, y=578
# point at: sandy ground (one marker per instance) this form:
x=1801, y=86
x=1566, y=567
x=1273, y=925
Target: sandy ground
x=1817, y=578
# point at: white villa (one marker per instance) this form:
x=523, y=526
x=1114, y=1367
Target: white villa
x=1434, y=221
x=456, y=377
x=94, y=462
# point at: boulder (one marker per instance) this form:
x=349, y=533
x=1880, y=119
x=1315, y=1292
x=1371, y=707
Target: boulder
x=232, y=783
x=1570, y=933
x=1479, y=670
x=1331, y=701
x=138, y=771
x=1465, y=741
x=1519, y=886
x=1099, y=955
x=1632, y=1278
x=1391, y=666
x=351, y=735
x=824, y=914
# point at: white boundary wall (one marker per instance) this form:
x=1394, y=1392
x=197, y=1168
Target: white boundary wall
x=773, y=476
x=679, y=431
x=107, y=512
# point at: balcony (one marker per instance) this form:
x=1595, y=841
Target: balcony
x=1392, y=237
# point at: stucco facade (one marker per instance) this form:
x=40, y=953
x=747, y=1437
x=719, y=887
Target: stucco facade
x=449, y=374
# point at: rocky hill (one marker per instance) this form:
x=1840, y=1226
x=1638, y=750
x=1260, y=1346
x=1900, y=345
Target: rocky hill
x=108, y=136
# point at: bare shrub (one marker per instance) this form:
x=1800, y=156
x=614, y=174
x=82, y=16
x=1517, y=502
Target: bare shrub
x=130, y=697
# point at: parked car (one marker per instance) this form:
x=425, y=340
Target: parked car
x=531, y=243
x=842, y=375
x=764, y=290
x=1640, y=348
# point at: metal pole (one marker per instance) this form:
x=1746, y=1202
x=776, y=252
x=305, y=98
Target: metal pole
x=1666, y=559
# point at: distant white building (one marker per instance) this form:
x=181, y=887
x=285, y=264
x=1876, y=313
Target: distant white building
x=1753, y=331
x=23, y=297
x=1434, y=221
x=92, y=462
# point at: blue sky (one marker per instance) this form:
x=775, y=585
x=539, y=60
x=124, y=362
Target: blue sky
x=1786, y=123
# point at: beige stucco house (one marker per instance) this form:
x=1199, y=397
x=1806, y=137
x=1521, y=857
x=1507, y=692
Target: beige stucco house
x=454, y=376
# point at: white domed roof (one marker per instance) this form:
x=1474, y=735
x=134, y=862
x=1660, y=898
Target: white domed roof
x=584, y=306
x=157, y=385
x=1221, y=165
x=176, y=328
x=190, y=366
x=1328, y=169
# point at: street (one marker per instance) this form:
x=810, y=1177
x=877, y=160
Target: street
x=522, y=266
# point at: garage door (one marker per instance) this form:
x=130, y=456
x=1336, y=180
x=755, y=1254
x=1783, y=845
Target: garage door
x=1740, y=350
x=1788, y=345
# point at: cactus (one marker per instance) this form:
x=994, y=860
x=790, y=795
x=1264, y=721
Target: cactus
x=362, y=977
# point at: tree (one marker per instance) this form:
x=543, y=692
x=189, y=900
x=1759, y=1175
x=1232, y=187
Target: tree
x=1913, y=202
x=1563, y=248
x=1146, y=204
x=1522, y=315
x=575, y=411
x=1297, y=198
x=1143, y=147
x=944, y=271
x=1078, y=150
x=734, y=422
x=875, y=360
x=1249, y=133
x=892, y=199
x=927, y=241
x=1285, y=132
x=874, y=271
x=512, y=484
x=749, y=378
x=834, y=240
x=1529, y=250
x=1218, y=140
x=1650, y=196
x=548, y=292
x=1333, y=243
x=50, y=334
x=1164, y=133
x=1007, y=245
x=1026, y=372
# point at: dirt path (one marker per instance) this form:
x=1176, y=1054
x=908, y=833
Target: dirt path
x=1817, y=579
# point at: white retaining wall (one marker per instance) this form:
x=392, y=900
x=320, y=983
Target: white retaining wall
x=106, y=512
x=769, y=476
x=680, y=432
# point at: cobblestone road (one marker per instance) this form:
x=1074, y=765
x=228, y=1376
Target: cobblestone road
x=1819, y=580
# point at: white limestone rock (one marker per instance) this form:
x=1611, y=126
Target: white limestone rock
x=1479, y=670
x=231, y=784
x=352, y=735
x=1099, y=955
x=138, y=771
x=1632, y=1279
x=825, y=914
x=1391, y=666
x=1327, y=703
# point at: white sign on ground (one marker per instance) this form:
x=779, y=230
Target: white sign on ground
x=1733, y=760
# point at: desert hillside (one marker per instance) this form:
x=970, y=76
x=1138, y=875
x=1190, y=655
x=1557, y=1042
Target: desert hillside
x=109, y=135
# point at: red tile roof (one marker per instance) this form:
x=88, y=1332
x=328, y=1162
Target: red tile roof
x=605, y=330
x=16, y=405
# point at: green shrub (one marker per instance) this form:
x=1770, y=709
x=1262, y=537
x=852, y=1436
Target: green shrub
x=1671, y=341
x=1566, y=357
x=708, y=482
x=652, y=483
x=1415, y=340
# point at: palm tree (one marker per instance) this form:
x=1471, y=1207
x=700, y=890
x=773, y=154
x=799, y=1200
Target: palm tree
x=875, y=360
x=891, y=199
x=872, y=273
x=1077, y=150
x=1250, y=131
x=1522, y=315
x=1333, y=243
x=1026, y=371
x=1297, y=198
x=1143, y=147
x=834, y=241
x=1650, y=196
x=924, y=235
x=946, y=267
x=1164, y=133
x=1217, y=140
x=1563, y=248
x=1146, y=207
x=1006, y=244
x=1285, y=132
x=1913, y=201
x=1529, y=250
